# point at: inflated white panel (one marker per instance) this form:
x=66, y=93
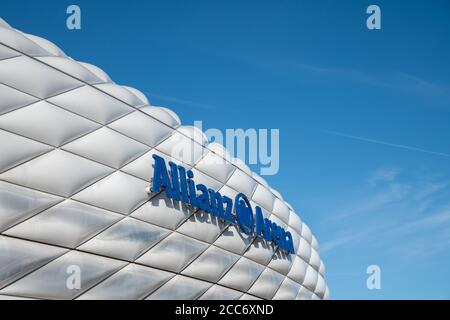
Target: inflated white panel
x=163, y=212
x=242, y=275
x=109, y=193
x=18, y=203
x=107, y=147
x=217, y=292
x=17, y=149
x=132, y=282
x=92, y=104
x=211, y=265
x=50, y=281
x=71, y=67
x=125, y=240
x=180, y=288
x=173, y=253
x=57, y=172
x=13, y=99
x=19, y=257
x=267, y=284
x=122, y=94
x=141, y=127
x=67, y=224
x=29, y=79
x=46, y=123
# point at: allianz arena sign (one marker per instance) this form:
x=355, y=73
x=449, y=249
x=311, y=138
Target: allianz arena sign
x=180, y=185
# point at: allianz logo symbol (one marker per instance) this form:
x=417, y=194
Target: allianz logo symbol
x=179, y=185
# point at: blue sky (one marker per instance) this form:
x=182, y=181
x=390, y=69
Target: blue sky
x=363, y=115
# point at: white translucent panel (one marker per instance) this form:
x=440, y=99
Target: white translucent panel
x=6, y=53
x=97, y=71
x=5, y=297
x=211, y=265
x=51, y=281
x=246, y=296
x=18, y=203
x=16, y=149
x=295, y=222
x=133, y=282
x=31, y=75
x=314, y=243
x=281, y=210
x=108, y=147
x=229, y=192
x=180, y=288
x=143, y=166
x=277, y=220
x=217, y=292
x=71, y=67
x=311, y=278
x=142, y=127
x=46, y=45
x=282, y=261
x=242, y=275
x=21, y=43
x=182, y=148
x=19, y=257
x=304, y=294
x=260, y=180
x=125, y=240
x=46, y=123
x=264, y=197
x=67, y=224
x=320, y=287
x=277, y=194
x=314, y=260
x=163, y=212
x=92, y=104
x=242, y=182
x=298, y=270
x=304, y=250
x=289, y=206
x=210, y=183
x=164, y=115
x=327, y=294
x=173, y=253
x=138, y=94
x=121, y=93
x=242, y=166
x=234, y=240
x=267, y=284
x=288, y=290
x=118, y=192
x=57, y=172
x=216, y=167
x=260, y=251
x=13, y=99
x=306, y=233
x=322, y=268
x=194, y=133
x=203, y=226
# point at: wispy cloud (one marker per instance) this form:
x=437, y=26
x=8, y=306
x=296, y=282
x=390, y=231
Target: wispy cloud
x=176, y=100
x=395, y=80
x=385, y=143
x=384, y=175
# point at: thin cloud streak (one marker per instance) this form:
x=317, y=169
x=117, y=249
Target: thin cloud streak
x=182, y=101
x=385, y=143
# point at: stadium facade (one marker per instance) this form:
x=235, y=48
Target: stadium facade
x=98, y=199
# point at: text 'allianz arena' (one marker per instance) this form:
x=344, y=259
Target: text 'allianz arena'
x=78, y=219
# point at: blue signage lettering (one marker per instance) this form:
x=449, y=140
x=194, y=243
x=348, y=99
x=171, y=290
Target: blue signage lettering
x=179, y=185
